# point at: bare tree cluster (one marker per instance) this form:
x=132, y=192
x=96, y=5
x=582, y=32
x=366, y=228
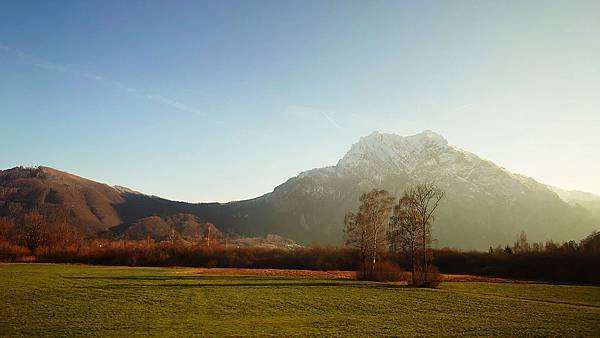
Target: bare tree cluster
x=407, y=231
x=35, y=229
x=410, y=228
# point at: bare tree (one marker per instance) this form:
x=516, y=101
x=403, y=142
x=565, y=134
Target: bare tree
x=426, y=198
x=62, y=234
x=7, y=229
x=211, y=236
x=366, y=230
x=416, y=212
x=34, y=229
x=404, y=232
x=356, y=236
x=522, y=244
x=173, y=235
x=377, y=206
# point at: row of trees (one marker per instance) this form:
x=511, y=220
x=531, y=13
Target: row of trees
x=54, y=229
x=565, y=262
x=382, y=233
x=404, y=228
x=34, y=229
x=589, y=245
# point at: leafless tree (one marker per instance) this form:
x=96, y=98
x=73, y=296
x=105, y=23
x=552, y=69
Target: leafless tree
x=34, y=230
x=210, y=239
x=356, y=236
x=522, y=244
x=173, y=235
x=62, y=234
x=404, y=232
x=366, y=230
x=411, y=224
x=7, y=229
x=426, y=198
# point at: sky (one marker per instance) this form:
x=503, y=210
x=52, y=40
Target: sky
x=224, y=100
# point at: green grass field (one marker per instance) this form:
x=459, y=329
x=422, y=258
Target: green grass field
x=89, y=300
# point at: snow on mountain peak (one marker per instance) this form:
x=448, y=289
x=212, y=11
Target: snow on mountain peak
x=431, y=136
x=428, y=157
x=381, y=158
x=425, y=137
x=391, y=151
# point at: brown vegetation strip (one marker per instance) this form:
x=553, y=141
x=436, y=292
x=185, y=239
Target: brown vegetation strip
x=277, y=273
x=330, y=274
x=472, y=278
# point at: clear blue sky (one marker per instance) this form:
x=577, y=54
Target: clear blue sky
x=223, y=100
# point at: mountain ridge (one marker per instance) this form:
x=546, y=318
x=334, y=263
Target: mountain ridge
x=485, y=205
x=392, y=162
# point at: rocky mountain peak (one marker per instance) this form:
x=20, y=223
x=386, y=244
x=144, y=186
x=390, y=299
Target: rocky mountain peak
x=425, y=137
x=382, y=152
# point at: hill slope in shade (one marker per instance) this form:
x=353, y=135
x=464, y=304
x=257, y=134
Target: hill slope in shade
x=484, y=205
x=90, y=204
x=94, y=207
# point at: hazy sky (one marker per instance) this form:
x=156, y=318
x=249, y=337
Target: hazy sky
x=222, y=100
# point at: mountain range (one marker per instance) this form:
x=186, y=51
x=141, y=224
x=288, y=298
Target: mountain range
x=485, y=204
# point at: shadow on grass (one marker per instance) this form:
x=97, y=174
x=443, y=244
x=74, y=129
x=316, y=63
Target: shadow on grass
x=244, y=285
x=236, y=282
x=167, y=278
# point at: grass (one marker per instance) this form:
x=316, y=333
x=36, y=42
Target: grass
x=53, y=300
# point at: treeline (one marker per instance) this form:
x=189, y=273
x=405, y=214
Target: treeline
x=568, y=262
x=33, y=230
x=390, y=235
x=34, y=237
x=385, y=238
x=149, y=253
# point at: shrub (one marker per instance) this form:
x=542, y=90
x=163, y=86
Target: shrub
x=385, y=271
x=388, y=272
x=429, y=279
x=10, y=252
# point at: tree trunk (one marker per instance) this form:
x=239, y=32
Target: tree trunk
x=373, y=263
x=424, y=251
x=364, y=262
x=412, y=264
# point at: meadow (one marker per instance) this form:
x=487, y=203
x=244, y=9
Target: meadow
x=59, y=300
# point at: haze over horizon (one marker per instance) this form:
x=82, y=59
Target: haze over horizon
x=224, y=101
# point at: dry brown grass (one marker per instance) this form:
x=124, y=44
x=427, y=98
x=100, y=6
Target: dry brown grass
x=276, y=273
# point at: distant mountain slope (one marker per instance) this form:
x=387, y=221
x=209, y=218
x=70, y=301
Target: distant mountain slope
x=99, y=208
x=187, y=227
x=90, y=204
x=580, y=198
x=484, y=205
x=574, y=195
